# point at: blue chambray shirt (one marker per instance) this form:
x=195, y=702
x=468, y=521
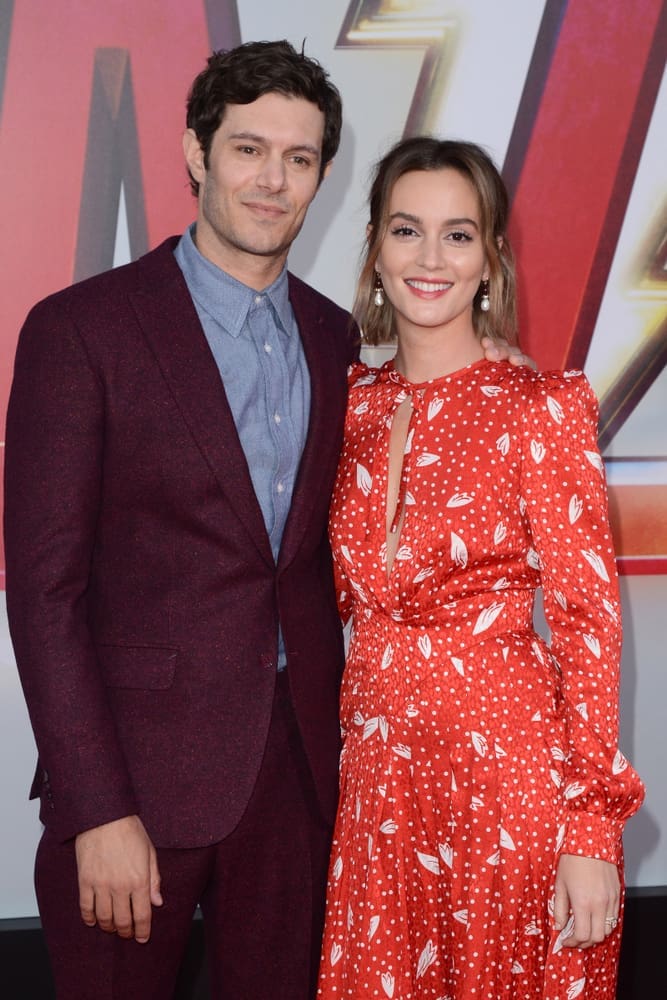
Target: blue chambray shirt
x=255, y=341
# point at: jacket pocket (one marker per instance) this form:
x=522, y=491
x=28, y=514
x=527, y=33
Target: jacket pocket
x=147, y=668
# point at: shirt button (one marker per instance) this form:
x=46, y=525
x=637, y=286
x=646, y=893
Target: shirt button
x=268, y=348
x=258, y=299
x=277, y=417
x=280, y=488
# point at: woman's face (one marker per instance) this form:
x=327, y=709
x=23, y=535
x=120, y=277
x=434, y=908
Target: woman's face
x=432, y=257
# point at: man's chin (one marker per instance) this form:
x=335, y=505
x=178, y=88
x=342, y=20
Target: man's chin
x=266, y=248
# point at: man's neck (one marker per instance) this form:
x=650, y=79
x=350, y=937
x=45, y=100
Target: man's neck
x=254, y=270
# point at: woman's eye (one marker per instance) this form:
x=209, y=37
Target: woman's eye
x=403, y=231
x=460, y=236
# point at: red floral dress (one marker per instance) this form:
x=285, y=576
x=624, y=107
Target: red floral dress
x=474, y=752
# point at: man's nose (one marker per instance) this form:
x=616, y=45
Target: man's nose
x=272, y=174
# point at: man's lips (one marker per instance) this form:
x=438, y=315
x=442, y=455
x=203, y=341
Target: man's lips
x=266, y=209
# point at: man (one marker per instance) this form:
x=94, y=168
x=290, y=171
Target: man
x=172, y=438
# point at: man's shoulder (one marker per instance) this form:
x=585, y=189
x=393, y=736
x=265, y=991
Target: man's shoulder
x=303, y=294
x=149, y=271
x=316, y=312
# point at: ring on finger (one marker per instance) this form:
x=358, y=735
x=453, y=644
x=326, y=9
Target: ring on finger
x=612, y=921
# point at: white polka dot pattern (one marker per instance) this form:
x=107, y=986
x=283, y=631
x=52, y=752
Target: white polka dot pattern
x=474, y=754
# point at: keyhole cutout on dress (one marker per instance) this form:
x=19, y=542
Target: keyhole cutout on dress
x=398, y=437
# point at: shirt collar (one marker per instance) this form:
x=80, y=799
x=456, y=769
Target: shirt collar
x=227, y=300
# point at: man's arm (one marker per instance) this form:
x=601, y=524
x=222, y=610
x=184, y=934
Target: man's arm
x=53, y=494
x=500, y=350
x=53, y=497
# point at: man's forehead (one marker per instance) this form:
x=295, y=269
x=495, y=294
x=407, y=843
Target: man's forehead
x=276, y=117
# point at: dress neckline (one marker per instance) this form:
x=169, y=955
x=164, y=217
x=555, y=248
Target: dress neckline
x=390, y=372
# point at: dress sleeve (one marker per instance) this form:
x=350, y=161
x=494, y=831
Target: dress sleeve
x=565, y=500
x=343, y=593
x=358, y=374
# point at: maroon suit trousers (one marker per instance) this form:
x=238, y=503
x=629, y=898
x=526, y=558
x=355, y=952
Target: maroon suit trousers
x=261, y=891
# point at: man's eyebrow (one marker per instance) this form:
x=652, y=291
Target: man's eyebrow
x=262, y=140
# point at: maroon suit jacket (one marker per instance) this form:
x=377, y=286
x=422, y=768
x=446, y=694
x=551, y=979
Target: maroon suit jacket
x=142, y=594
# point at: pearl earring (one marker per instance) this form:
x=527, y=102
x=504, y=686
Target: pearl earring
x=485, y=301
x=378, y=298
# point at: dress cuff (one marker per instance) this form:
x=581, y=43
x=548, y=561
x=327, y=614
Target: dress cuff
x=593, y=836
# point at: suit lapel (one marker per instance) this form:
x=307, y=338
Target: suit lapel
x=171, y=326
x=324, y=390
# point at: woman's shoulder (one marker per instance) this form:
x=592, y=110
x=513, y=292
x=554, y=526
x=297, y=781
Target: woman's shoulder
x=533, y=384
x=360, y=374
x=561, y=398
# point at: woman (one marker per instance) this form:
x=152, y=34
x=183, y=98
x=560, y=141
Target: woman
x=477, y=847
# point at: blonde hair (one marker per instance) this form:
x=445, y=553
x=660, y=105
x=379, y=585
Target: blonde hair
x=429, y=153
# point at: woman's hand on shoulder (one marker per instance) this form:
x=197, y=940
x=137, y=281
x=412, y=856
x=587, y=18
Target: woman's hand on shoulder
x=588, y=891
x=500, y=350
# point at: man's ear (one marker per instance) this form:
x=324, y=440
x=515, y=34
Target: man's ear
x=326, y=171
x=194, y=155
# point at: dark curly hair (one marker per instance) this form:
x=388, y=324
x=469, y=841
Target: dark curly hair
x=241, y=75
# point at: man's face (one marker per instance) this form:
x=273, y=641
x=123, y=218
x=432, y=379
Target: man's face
x=263, y=173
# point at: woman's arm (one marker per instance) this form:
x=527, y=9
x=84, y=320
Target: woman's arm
x=564, y=491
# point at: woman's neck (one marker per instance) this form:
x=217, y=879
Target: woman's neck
x=424, y=355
